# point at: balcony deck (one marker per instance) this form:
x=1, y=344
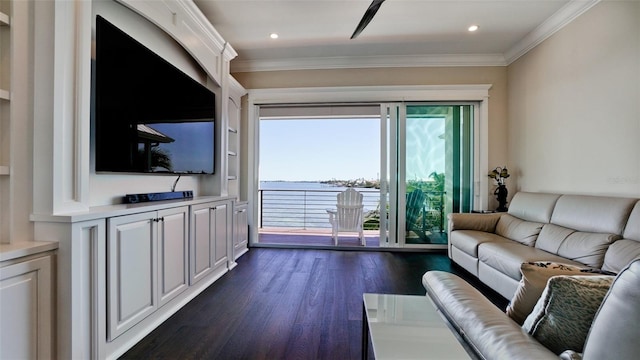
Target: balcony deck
x=321, y=238
x=315, y=238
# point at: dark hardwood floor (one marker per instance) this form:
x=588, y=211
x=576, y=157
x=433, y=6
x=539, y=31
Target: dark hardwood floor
x=290, y=304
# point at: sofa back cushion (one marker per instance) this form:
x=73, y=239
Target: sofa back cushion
x=598, y=214
x=614, y=331
x=632, y=229
x=584, y=247
x=524, y=232
x=622, y=252
x=536, y=207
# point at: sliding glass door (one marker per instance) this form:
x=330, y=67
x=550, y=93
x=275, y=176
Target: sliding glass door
x=429, y=166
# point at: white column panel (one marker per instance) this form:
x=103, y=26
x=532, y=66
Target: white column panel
x=61, y=112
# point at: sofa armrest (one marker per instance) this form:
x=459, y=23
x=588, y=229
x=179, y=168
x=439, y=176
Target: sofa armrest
x=479, y=222
x=483, y=326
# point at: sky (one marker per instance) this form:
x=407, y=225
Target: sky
x=192, y=149
x=319, y=149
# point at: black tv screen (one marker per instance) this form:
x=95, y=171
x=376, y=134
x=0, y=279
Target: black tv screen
x=150, y=117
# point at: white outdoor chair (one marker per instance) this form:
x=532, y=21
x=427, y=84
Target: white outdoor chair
x=347, y=216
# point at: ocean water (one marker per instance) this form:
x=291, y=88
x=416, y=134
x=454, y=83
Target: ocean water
x=300, y=204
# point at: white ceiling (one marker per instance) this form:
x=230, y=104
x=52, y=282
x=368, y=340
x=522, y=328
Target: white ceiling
x=315, y=33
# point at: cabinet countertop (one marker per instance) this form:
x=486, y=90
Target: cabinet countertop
x=25, y=248
x=106, y=211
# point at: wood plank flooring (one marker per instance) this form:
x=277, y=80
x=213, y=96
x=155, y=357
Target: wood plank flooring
x=290, y=304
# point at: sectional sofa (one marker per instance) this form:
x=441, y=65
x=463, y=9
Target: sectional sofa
x=594, y=231
x=570, y=264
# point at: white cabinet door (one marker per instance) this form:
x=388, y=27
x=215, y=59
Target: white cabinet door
x=201, y=250
x=132, y=271
x=26, y=310
x=173, y=252
x=209, y=237
x=240, y=231
x=219, y=217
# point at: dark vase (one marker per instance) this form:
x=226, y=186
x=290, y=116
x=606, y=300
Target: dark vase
x=501, y=194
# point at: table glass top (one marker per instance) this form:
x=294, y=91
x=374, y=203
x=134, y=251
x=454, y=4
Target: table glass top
x=409, y=327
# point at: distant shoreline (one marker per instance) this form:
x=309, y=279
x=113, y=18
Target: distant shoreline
x=359, y=183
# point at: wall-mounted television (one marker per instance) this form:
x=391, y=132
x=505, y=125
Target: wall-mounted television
x=150, y=117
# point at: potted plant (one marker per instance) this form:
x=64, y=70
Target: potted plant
x=500, y=174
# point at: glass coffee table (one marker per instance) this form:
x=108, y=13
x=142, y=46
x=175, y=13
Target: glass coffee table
x=408, y=327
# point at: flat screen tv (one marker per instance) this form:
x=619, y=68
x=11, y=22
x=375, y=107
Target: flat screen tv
x=150, y=117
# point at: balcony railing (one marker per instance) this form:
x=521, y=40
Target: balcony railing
x=307, y=209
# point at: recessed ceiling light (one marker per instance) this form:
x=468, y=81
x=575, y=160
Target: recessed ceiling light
x=273, y=36
x=473, y=28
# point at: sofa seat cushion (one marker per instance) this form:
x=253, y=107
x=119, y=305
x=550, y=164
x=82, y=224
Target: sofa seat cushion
x=584, y=247
x=524, y=232
x=620, y=254
x=507, y=257
x=563, y=315
x=468, y=240
x=481, y=324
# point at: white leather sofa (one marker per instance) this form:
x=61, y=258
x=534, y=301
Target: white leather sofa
x=492, y=335
x=587, y=231
x=596, y=231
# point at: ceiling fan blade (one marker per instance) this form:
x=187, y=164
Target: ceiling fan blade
x=368, y=15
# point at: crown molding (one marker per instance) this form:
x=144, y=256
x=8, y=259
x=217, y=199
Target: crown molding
x=350, y=62
x=553, y=24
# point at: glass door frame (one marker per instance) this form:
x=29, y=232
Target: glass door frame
x=249, y=182
x=393, y=119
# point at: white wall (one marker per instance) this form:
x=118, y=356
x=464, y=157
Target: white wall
x=574, y=106
x=108, y=188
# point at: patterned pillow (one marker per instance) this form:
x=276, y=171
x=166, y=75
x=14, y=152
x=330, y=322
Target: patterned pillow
x=570, y=355
x=534, y=279
x=563, y=315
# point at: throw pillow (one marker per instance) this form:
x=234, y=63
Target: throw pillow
x=563, y=315
x=534, y=279
x=570, y=355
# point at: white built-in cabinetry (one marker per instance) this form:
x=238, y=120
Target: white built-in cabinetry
x=147, y=257
x=138, y=264
x=234, y=165
x=5, y=70
x=27, y=276
x=209, y=243
x=121, y=270
x=26, y=306
x=234, y=141
x=5, y=119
